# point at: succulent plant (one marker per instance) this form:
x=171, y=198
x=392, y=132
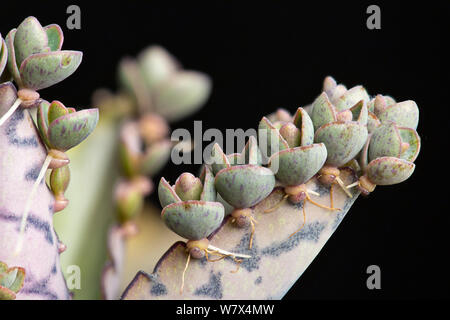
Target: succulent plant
x=11, y=281
x=388, y=156
x=242, y=181
x=36, y=61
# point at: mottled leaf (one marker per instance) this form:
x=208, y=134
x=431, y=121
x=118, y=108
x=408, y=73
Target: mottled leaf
x=323, y=111
x=342, y=140
x=244, y=186
x=305, y=124
x=193, y=220
x=411, y=137
x=70, y=130
x=385, y=142
x=209, y=191
x=351, y=97
x=389, y=170
x=274, y=141
x=404, y=114
x=297, y=165
x=30, y=38
x=43, y=70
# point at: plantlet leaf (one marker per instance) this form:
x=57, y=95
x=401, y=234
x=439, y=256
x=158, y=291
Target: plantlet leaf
x=296, y=166
x=275, y=142
x=277, y=260
x=43, y=70
x=342, y=140
x=372, y=122
x=411, y=137
x=55, y=37
x=404, y=114
x=156, y=157
x=385, y=142
x=360, y=112
x=56, y=110
x=389, y=170
x=304, y=123
x=244, y=186
x=30, y=38
x=71, y=129
x=351, y=97
x=193, y=220
x=209, y=191
x=166, y=193
x=323, y=111
x=219, y=159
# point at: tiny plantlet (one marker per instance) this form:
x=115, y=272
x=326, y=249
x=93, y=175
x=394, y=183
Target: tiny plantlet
x=242, y=181
x=296, y=137
x=35, y=61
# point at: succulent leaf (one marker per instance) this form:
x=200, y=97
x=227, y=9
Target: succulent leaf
x=323, y=111
x=297, y=165
x=30, y=38
x=42, y=70
x=342, y=140
x=166, y=193
x=209, y=191
x=55, y=37
x=385, y=142
x=404, y=114
x=193, y=220
x=244, y=186
x=219, y=159
x=188, y=187
x=12, y=63
x=351, y=97
x=156, y=157
x=372, y=122
x=360, y=112
x=410, y=137
x=389, y=170
x=71, y=129
x=275, y=142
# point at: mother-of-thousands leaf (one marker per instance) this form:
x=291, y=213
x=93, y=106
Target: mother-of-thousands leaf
x=264, y=275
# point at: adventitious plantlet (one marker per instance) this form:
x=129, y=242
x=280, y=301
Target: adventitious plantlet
x=242, y=181
x=36, y=61
x=342, y=127
x=190, y=210
x=11, y=281
x=299, y=159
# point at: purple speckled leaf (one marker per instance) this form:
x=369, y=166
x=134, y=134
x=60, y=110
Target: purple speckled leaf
x=351, y=97
x=275, y=142
x=342, y=140
x=43, y=70
x=298, y=165
x=166, y=193
x=372, y=122
x=244, y=186
x=68, y=131
x=277, y=260
x=385, y=142
x=193, y=220
x=323, y=111
x=360, y=112
x=389, y=170
x=411, y=137
x=30, y=38
x=55, y=37
x=305, y=124
x=404, y=114
x=209, y=191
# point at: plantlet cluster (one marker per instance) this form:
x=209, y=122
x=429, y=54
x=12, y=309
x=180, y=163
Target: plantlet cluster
x=342, y=130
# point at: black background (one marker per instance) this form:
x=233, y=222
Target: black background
x=262, y=56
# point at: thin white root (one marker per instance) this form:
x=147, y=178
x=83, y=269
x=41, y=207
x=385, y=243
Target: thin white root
x=313, y=192
x=184, y=272
x=23, y=223
x=11, y=110
x=342, y=185
x=231, y=254
x=353, y=185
